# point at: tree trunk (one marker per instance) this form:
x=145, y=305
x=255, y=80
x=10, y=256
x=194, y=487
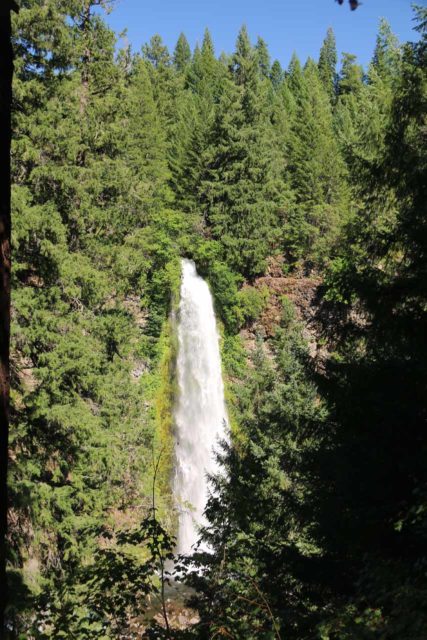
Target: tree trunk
x=84, y=28
x=6, y=73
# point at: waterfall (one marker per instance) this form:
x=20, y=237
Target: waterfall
x=200, y=414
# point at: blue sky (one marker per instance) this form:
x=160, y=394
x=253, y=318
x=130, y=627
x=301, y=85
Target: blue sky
x=286, y=25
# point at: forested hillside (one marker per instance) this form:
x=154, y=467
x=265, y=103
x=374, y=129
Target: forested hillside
x=301, y=195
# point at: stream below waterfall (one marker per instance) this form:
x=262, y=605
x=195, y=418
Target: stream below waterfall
x=200, y=415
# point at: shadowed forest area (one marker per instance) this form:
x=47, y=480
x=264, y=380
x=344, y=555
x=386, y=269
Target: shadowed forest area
x=301, y=196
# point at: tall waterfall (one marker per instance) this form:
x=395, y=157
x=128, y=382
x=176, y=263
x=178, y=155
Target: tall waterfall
x=200, y=414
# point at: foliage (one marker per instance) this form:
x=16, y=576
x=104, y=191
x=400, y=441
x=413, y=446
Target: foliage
x=251, y=585
x=124, y=162
x=252, y=302
x=111, y=588
x=327, y=64
x=318, y=527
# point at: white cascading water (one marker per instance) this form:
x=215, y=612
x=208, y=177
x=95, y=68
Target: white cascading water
x=200, y=413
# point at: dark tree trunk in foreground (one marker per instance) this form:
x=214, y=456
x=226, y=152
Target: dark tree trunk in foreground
x=6, y=72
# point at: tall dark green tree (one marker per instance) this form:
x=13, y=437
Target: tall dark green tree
x=182, y=53
x=244, y=59
x=328, y=64
x=205, y=71
x=93, y=245
x=294, y=76
x=276, y=74
x=239, y=191
x=266, y=571
x=351, y=75
x=195, y=113
x=156, y=52
x=383, y=272
x=387, y=54
x=263, y=57
x=316, y=171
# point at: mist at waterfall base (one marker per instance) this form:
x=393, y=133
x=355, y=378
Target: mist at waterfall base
x=200, y=415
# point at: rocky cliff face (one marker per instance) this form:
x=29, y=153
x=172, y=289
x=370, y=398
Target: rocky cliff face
x=305, y=293
x=322, y=320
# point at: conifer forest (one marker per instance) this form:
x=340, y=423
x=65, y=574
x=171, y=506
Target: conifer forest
x=299, y=195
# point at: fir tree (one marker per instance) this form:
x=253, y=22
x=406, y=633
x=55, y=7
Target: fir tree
x=243, y=58
x=351, y=75
x=263, y=58
x=386, y=58
x=239, y=189
x=294, y=76
x=182, y=54
x=156, y=52
x=328, y=63
x=89, y=178
x=276, y=74
x=208, y=51
x=316, y=171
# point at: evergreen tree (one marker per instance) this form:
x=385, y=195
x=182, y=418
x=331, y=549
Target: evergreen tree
x=208, y=51
x=386, y=58
x=239, y=191
x=266, y=570
x=93, y=173
x=206, y=72
x=195, y=115
x=276, y=74
x=182, y=54
x=156, y=52
x=188, y=145
x=316, y=172
x=363, y=109
x=243, y=58
x=381, y=272
x=328, y=63
x=294, y=76
x=263, y=58
x=351, y=75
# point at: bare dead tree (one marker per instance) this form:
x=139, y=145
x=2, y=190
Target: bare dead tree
x=159, y=551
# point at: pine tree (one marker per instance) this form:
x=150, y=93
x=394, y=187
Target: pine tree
x=294, y=76
x=386, y=58
x=351, y=75
x=328, y=63
x=195, y=116
x=145, y=148
x=156, y=52
x=239, y=190
x=265, y=572
x=276, y=74
x=190, y=139
x=89, y=186
x=243, y=58
x=263, y=58
x=316, y=171
x=208, y=50
x=182, y=54
x=206, y=71
x=361, y=114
